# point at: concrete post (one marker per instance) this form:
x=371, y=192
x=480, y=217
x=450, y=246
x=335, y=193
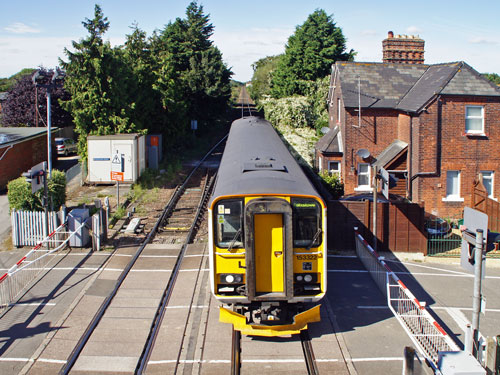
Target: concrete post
x=476, y=303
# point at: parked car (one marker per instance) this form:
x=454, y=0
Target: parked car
x=65, y=146
x=437, y=227
x=357, y=197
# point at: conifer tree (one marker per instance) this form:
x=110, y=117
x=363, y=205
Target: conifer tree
x=98, y=81
x=309, y=54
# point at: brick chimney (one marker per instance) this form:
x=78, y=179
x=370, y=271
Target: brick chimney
x=403, y=49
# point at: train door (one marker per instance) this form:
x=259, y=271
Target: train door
x=269, y=253
x=268, y=241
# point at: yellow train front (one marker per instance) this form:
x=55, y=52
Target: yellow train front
x=267, y=230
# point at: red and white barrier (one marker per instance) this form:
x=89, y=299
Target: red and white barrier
x=21, y=274
x=426, y=333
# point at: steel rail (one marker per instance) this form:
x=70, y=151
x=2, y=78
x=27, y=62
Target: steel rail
x=312, y=368
x=236, y=353
x=75, y=353
x=160, y=312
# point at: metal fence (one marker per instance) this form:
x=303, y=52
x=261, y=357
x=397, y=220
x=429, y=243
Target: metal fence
x=21, y=274
x=425, y=332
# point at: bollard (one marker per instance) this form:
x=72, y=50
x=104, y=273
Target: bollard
x=408, y=360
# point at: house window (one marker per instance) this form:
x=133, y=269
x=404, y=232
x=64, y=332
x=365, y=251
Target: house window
x=334, y=168
x=488, y=182
x=474, y=119
x=363, y=177
x=338, y=110
x=453, y=186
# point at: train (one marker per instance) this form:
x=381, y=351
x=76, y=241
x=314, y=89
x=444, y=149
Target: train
x=267, y=235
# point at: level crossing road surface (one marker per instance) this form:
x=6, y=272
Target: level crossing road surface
x=357, y=334
x=27, y=323
x=374, y=337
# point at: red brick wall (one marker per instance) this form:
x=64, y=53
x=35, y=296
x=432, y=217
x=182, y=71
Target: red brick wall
x=378, y=130
x=20, y=158
x=467, y=154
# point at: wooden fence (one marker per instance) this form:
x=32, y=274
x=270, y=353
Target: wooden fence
x=490, y=207
x=400, y=226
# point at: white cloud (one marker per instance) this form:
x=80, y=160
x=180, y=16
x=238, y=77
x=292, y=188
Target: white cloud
x=241, y=48
x=369, y=32
x=482, y=40
x=21, y=28
x=413, y=30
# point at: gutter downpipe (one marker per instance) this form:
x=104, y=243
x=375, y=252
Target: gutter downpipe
x=438, y=150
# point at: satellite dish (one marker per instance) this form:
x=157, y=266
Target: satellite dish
x=325, y=130
x=363, y=152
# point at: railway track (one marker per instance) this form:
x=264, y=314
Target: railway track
x=307, y=349
x=177, y=224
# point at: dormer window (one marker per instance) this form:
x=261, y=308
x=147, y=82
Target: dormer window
x=474, y=120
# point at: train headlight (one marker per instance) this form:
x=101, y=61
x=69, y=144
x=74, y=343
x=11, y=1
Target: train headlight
x=299, y=278
x=308, y=278
x=231, y=278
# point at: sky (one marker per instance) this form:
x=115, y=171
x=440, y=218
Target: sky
x=35, y=33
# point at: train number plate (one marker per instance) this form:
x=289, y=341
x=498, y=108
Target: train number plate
x=307, y=257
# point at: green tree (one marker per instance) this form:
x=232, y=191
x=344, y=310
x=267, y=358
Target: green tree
x=98, y=80
x=261, y=79
x=193, y=80
x=147, y=112
x=493, y=77
x=309, y=54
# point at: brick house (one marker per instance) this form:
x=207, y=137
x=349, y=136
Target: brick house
x=21, y=149
x=435, y=128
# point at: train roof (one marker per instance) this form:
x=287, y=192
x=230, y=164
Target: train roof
x=256, y=161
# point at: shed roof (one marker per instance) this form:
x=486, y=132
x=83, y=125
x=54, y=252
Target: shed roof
x=330, y=142
x=408, y=87
x=391, y=151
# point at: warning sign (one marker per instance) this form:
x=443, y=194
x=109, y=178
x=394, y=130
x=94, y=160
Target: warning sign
x=117, y=163
x=116, y=176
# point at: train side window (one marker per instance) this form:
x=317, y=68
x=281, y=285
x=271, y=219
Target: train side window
x=229, y=220
x=306, y=223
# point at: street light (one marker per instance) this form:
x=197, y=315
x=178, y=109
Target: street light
x=39, y=81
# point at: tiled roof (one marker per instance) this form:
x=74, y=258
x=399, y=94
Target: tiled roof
x=330, y=142
x=408, y=87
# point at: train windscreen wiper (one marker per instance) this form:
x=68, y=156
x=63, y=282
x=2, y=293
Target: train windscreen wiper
x=315, y=238
x=233, y=241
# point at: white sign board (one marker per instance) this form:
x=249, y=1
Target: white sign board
x=117, y=162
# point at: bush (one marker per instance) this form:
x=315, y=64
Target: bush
x=333, y=183
x=20, y=196
x=292, y=111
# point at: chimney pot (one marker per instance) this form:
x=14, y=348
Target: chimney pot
x=390, y=34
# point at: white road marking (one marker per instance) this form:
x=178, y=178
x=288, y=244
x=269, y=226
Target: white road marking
x=187, y=307
x=48, y=360
x=32, y=304
x=275, y=360
x=2, y=359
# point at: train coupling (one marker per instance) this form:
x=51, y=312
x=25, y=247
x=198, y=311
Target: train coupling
x=270, y=325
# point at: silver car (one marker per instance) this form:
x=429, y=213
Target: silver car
x=66, y=146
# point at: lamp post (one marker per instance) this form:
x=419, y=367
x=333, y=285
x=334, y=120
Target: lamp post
x=53, y=84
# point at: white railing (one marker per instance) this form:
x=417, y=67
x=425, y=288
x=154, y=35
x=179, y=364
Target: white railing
x=28, y=227
x=426, y=333
x=21, y=274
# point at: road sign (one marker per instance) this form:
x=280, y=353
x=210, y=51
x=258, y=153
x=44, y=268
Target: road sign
x=385, y=182
x=117, y=176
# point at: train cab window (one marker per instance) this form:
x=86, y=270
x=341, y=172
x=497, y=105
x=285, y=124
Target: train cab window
x=306, y=223
x=228, y=218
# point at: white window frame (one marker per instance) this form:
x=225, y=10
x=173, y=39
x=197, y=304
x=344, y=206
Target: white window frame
x=492, y=184
x=335, y=171
x=467, y=117
x=369, y=173
x=453, y=197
